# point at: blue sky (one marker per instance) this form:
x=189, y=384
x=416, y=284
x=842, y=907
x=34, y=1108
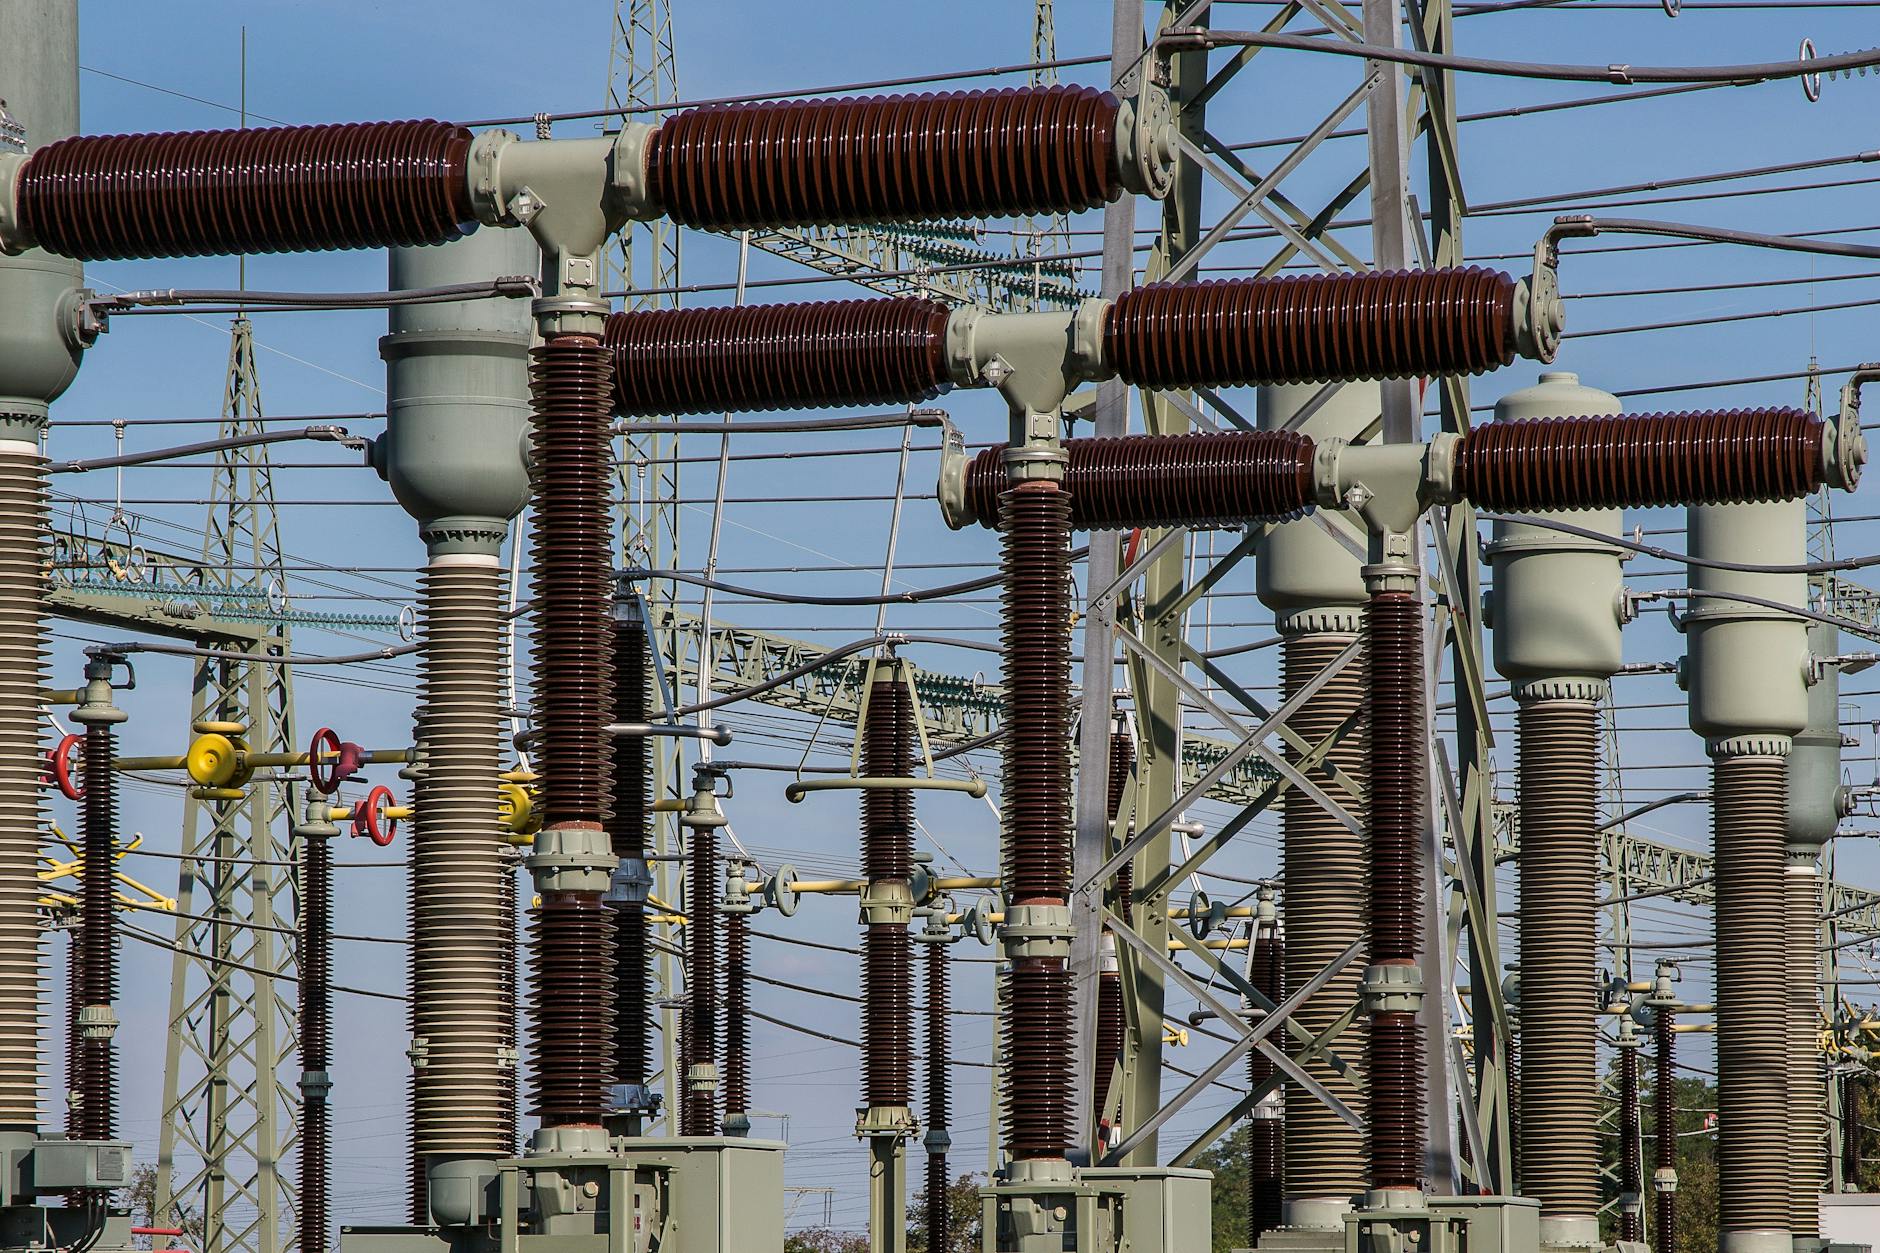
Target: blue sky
x=345, y=61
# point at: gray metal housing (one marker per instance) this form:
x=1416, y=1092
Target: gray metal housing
x=1306, y=577
x=1817, y=799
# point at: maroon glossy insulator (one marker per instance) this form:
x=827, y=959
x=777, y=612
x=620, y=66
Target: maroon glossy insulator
x=570, y=377
x=1111, y=1026
x=962, y=154
x=1037, y=1033
x=74, y=993
x=1398, y=751
x=738, y=1015
x=316, y=1011
x=1156, y=480
x=1712, y=457
x=1266, y=1135
x=814, y=355
x=96, y=1080
x=1394, y=1080
x=274, y=189
x=1122, y=759
x=1312, y=328
x=417, y=1177
x=939, y=1090
x=627, y=829
x=573, y=1008
x=887, y=857
x=1036, y=660
x=1664, y=1126
x=1631, y=1176
x=699, y=1116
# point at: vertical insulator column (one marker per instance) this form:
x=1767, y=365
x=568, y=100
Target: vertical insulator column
x=463, y=941
x=1749, y=797
x=571, y=377
x=96, y=1085
x=627, y=828
x=1808, y=1079
x=1323, y=868
x=316, y=1012
x=1266, y=1134
x=939, y=1214
x=1631, y=1182
x=737, y=1024
x=888, y=867
x=1035, y=537
x=1665, y=1129
x=1112, y=1027
x=1558, y=767
x=1394, y=1079
x=22, y=756
x=700, y=1116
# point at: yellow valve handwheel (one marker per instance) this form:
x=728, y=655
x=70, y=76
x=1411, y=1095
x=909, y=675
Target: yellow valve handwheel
x=215, y=761
x=516, y=808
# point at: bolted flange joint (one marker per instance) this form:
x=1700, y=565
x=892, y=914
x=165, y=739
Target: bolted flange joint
x=886, y=901
x=701, y=1077
x=1664, y=1179
x=315, y=1086
x=1036, y=931
x=97, y=1022
x=1392, y=990
x=572, y=857
x=937, y=1141
x=1145, y=141
x=886, y=1122
x=631, y=884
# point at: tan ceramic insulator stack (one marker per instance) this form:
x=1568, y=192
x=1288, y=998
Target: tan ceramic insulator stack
x=1808, y=1079
x=464, y=997
x=1748, y=820
x=1559, y=754
x=1324, y=869
x=22, y=677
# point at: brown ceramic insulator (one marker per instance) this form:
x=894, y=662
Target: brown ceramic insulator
x=96, y=1085
x=1122, y=758
x=572, y=1008
x=1266, y=1136
x=1112, y=1030
x=1324, y=883
x=1197, y=481
x=961, y=154
x=1126, y=892
x=1749, y=801
x=737, y=1086
x=1851, y=1134
x=1394, y=661
x=1394, y=1123
x=700, y=1115
x=1631, y=1181
x=887, y=857
x=1713, y=457
x=274, y=189
x=571, y=377
x=316, y=1011
x=813, y=355
x=627, y=828
x=939, y=1092
x=1312, y=328
x=1037, y=1032
x=1664, y=1127
x=1558, y=921
x=1808, y=1077
x=1035, y=643
x=509, y=917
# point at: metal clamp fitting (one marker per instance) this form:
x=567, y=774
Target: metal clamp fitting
x=1392, y=990
x=887, y=901
x=701, y=1077
x=97, y=1022
x=315, y=1086
x=572, y=858
x=1036, y=931
x=893, y=1122
x=631, y=884
x=1145, y=141
x=14, y=239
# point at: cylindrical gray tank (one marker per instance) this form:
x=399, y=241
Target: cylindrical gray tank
x=39, y=293
x=1746, y=665
x=1308, y=579
x=457, y=393
x=1557, y=601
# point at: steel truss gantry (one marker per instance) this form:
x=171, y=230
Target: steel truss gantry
x=228, y=1119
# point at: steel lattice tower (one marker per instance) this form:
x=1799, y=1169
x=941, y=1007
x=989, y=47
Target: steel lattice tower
x=228, y=1120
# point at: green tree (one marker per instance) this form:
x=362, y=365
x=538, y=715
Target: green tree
x=963, y=1208
x=825, y=1240
x=1228, y=1160
x=141, y=1197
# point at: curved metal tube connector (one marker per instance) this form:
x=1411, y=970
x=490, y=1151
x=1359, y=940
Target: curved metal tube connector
x=795, y=792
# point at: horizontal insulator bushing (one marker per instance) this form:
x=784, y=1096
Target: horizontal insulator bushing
x=1157, y=480
x=274, y=189
x=796, y=356
x=1313, y=328
x=1711, y=457
x=961, y=154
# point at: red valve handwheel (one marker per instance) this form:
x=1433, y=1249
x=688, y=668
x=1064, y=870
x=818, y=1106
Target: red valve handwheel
x=325, y=776
x=369, y=817
x=63, y=758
